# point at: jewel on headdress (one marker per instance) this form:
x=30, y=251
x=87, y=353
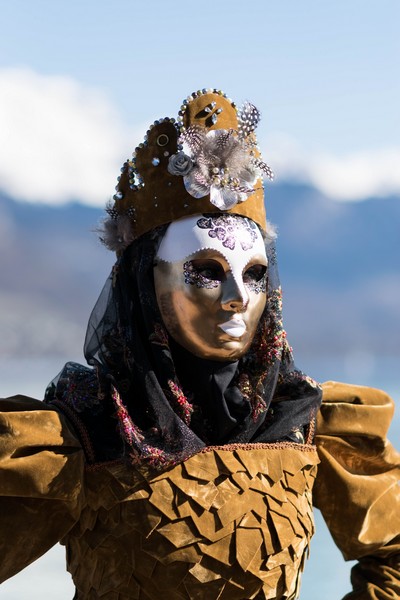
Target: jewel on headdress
x=162, y=140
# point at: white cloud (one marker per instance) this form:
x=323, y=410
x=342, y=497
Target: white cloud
x=358, y=176
x=60, y=140
x=354, y=176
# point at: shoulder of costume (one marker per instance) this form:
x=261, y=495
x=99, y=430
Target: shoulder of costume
x=336, y=391
x=357, y=487
x=77, y=394
x=19, y=403
x=354, y=409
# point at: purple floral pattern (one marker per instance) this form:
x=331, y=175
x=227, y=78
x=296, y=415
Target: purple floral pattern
x=226, y=229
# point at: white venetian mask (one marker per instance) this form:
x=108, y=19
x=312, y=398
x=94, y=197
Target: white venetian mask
x=210, y=282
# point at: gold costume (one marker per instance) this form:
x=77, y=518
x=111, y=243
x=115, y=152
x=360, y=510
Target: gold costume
x=230, y=522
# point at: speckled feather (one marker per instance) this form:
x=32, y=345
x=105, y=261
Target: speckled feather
x=248, y=118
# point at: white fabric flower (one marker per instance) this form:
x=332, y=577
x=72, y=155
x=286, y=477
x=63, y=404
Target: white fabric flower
x=223, y=167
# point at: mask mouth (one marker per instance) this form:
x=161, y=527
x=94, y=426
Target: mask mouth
x=235, y=327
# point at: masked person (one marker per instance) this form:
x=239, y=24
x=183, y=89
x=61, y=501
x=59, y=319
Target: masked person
x=182, y=462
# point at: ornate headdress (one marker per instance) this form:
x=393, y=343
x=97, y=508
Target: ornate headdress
x=205, y=162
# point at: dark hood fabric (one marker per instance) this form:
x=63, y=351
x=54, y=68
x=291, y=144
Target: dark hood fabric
x=169, y=404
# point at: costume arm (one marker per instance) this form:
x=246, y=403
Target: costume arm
x=357, y=487
x=41, y=467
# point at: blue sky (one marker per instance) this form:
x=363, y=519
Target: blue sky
x=81, y=80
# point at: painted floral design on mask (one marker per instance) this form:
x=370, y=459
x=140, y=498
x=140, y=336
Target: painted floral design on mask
x=228, y=229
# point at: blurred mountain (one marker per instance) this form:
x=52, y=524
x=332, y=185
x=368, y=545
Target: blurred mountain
x=52, y=269
x=339, y=266
x=340, y=271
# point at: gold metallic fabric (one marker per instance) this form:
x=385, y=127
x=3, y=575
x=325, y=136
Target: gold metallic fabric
x=229, y=523
x=358, y=486
x=41, y=476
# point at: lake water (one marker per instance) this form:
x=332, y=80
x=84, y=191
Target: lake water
x=326, y=575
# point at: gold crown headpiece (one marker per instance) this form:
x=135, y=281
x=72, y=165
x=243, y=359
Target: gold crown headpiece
x=205, y=162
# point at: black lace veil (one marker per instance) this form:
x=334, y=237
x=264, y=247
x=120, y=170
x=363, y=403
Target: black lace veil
x=171, y=404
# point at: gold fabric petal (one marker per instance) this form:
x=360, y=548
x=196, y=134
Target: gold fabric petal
x=250, y=521
x=242, y=480
x=269, y=537
x=145, y=563
x=271, y=580
x=281, y=494
x=200, y=492
x=189, y=554
x=248, y=543
x=295, y=483
x=179, y=533
x=162, y=497
x=183, y=506
x=200, y=469
x=227, y=491
x=221, y=550
x=202, y=574
x=207, y=525
x=231, y=511
x=195, y=589
x=228, y=462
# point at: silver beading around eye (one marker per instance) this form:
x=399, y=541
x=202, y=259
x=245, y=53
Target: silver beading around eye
x=193, y=277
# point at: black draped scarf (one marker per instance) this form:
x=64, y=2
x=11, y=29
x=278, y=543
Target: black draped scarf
x=171, y=404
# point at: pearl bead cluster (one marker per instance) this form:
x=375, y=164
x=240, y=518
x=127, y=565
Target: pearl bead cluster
x=221, y=177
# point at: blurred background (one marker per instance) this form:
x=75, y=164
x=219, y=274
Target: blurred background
x=80, y=82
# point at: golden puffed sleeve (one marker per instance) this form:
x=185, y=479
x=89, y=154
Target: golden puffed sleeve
x=41, y=472
x=357, y=487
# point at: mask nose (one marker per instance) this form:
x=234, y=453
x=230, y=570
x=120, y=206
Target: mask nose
x=234, y=295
